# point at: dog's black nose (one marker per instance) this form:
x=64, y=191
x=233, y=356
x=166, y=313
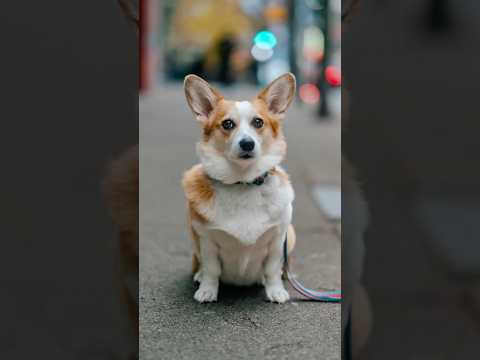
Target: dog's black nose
x=247, y=144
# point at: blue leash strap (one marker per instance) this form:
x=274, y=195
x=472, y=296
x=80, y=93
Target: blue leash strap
x=325, y=296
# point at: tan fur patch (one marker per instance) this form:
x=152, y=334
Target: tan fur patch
x=197, y=185
x=284, y=178
x=196, y=249
x=198, y=191
x=195, y=215
x=271, y=121
x=215, y=120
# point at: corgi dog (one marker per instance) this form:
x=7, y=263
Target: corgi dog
x=239, y=199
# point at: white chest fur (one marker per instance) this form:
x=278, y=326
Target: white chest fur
x=244, y=222
x=246, y=212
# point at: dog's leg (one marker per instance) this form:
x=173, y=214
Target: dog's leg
x=291, y=240
x=273, y=268
x=210, y=271
x=196, y=253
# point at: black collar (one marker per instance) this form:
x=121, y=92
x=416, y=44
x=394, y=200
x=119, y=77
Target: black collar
x=259, y=180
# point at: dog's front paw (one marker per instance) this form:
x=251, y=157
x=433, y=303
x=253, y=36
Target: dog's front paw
x=206, y=294
x=277, y=294
x=197, y=277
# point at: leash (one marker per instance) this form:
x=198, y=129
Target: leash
x=325, y=296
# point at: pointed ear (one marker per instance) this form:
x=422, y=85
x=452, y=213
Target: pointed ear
x=201, y=97
x=278, y=95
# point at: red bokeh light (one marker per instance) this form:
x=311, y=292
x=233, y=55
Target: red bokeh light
x=333, y=76
x=309, y=93
x=313, y=55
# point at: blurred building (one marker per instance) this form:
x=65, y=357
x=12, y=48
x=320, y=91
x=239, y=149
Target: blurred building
x=249, y=41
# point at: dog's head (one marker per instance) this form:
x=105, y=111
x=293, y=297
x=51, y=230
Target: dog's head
x=241, y=139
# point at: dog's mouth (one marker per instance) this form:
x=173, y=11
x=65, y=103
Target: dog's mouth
x=246, y=156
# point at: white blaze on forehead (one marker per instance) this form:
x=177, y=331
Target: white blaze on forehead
x=244, y=108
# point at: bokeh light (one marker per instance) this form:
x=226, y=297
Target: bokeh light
x=265, y=39
x=261, y=54
x=333, y=76
x=314, y=43
x=309, y=93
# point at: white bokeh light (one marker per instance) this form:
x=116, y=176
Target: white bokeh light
x=261, y=54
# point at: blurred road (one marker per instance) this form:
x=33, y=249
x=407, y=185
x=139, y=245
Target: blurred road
x=241, y=325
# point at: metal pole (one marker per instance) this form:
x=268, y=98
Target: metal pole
x=293, y=34
x=324, y=110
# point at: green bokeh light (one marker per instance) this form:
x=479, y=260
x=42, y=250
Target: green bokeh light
x=265, y=39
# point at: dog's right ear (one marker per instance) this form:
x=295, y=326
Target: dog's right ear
x=201, y=97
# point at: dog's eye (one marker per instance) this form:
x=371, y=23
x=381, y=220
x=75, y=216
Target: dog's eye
x=257, y=122
x=228, y=124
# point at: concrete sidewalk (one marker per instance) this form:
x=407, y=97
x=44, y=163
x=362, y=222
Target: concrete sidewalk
x=241, y=325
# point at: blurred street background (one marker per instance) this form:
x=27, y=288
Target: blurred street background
x=239, y=42
x=239, y=46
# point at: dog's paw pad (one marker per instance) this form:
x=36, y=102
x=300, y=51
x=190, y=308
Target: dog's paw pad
x=277, y=294
x=207, y=294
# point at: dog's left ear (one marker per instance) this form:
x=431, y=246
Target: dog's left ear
x=278, y=95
